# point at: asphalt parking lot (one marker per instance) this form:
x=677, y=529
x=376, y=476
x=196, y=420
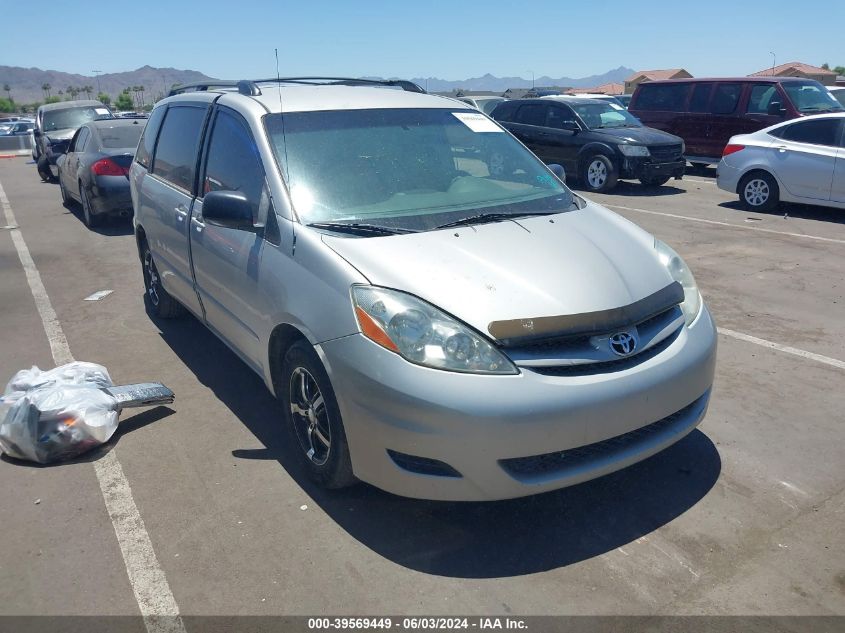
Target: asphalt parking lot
x=743, y=516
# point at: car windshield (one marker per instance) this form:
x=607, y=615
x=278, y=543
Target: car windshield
x=120, y=136
x=408, y=168
x=811, y=97
x=72, y=118
x=597, y=116
x=839, y=95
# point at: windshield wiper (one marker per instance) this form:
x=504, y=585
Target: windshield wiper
x=358, y=228
x=482, y=218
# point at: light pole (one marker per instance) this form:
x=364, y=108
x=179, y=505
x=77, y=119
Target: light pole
x=97, y=74
x=773, y=62
x=532, y=79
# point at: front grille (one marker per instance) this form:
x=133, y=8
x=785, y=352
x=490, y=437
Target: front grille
x=422, y=465
x=606, y=367
x=665, y=152
x=537, y=465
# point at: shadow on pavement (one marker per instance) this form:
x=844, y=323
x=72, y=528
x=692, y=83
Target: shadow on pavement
x=465, y=540
x=111, y=225
x=791, y=210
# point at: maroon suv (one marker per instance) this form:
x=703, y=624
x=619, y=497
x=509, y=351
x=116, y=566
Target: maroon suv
x=707, y=112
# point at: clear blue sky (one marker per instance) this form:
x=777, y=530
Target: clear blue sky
x=454, y=39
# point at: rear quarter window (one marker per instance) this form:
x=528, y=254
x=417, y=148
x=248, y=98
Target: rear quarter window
x=662, y=97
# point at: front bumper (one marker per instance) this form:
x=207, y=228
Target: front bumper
x=636, y=168
x=478, y=425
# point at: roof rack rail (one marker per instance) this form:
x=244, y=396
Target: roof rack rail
x=250, y=87
x=243, y=87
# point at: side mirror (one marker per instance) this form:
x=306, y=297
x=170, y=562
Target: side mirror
x=775, y=109
x=572, y=126
x=558, y=171
x=36, y=132
x=231, y=209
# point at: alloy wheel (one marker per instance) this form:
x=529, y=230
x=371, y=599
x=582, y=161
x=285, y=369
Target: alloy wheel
x=597, y=174
x=151, y=278
x=756, y=192
x=310, y=416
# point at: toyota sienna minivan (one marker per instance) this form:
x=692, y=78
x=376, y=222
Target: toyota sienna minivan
x=436, y=312
x=706, y=113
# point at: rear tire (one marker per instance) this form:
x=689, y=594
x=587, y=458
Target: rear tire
x=88, y=216
x=658, y=181
x=598, y=174
x=312, y=416
x=758, y=191
x=160, y=303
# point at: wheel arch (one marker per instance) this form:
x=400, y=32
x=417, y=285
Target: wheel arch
x=281, y=339
x=591, y=149
x=756, y=169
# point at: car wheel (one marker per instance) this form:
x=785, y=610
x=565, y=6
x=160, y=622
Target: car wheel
x=66, y=201
x=43, y=167
x=313, y=418
x=598, y=174
x=657, y=181
x=759, y=191
x=91, y=219
x=160, y=302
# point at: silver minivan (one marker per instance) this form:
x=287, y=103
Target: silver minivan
x=437, y=313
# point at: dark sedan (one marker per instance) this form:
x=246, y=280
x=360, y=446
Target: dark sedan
x=596, y=142
x=95, y=170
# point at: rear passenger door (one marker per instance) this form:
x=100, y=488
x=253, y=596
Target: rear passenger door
x=168, y=194
x=725, y=117
x=226, y=260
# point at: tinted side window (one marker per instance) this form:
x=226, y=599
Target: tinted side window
x=700, y=99
x=532, y=114
x=504, y=111
x=176, y=152
x=82, y=139
x=761, y=96
x=560, y=115
x=821, y=132
x=148, y=140
x=725, y=98
x=233, y=163
x=665, y=97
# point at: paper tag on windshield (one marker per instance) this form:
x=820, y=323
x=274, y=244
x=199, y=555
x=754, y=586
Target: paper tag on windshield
x=477, y=122
x=101, y=110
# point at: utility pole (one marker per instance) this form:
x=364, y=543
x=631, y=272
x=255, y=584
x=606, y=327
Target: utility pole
x=97, y=74
x=773, y=62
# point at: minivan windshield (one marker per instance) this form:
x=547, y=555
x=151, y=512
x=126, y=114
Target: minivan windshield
x=811, y=97
x=598, y=116
x=68, y=118
x=411, y=168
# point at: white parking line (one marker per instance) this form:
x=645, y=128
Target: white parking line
x=720, y=223
x=152, y=591
x=833, y=362
x=708, y=182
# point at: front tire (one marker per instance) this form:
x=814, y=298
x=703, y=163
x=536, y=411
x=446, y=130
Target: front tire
x=43, y=166
x=759, y=191
x=312, y=416
x=159, y=301
x=598, y=174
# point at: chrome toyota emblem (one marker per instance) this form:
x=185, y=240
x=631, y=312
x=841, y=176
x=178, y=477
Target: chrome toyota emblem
x=622, y=343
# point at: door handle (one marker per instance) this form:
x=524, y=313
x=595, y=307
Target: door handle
x=781, y=148
x=181, y=213
x=198, y=226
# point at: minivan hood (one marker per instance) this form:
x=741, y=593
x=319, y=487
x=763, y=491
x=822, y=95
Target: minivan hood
x=579, y=261
x=643, y=135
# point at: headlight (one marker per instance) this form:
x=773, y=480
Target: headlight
x=634, y=150
x=680, y=272
x=424, y=335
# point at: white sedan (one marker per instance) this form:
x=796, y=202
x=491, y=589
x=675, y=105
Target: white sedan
x=801, y=160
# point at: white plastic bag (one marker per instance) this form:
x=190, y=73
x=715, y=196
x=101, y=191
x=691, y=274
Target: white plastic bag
x=57, y=414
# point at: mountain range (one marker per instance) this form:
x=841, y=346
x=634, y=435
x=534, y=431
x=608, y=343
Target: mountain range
x=26, y=83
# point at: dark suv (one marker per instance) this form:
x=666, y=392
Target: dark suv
x=595, y=141
x=55, y=124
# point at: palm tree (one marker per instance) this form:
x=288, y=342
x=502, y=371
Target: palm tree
x=143, y=101
x=88, y=90
x=46, y=88
x=8, y=90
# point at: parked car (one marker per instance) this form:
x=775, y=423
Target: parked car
x=438, y=314
x=838, y=93
x=596, y=95
x=55, y=124
x=485, y=104
x=797, y=161
x=595, y=141
x=625, y=100
x=95, y=169
x=707, y=112
x=16, y=128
